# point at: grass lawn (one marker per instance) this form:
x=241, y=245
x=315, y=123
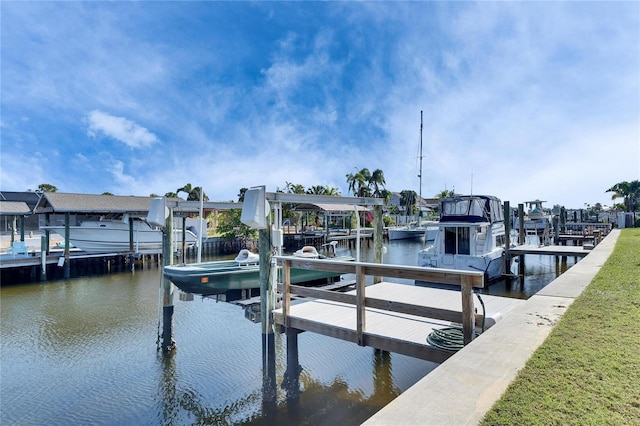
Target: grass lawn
x=587, y=371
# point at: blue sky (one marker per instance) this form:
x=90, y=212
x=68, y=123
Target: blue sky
x=521, y=100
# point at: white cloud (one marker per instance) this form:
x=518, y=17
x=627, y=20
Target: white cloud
x=505, y=87
x=123, y=180
x=119, y=128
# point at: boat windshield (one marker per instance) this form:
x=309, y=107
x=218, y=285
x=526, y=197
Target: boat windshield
x=471, y=209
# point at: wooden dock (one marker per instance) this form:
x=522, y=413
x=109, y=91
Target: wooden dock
x=391, y=330
x=388, y=316
x=578, y=251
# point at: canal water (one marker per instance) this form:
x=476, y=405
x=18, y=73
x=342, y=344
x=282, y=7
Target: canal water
x=84, y=351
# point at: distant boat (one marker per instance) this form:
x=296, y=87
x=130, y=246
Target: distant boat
x=113, y=236
x=416, y=231
x=535, y=218
x=471, y=236
x=425, y=231
x=242, y=273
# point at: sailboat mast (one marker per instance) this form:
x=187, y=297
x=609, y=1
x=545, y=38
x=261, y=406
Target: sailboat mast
x=420, y=175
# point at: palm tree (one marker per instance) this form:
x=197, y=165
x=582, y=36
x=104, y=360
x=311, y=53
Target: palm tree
x=323, y=190
x=630, y=191
x=359, y=183
x=47, y=187
x=386, y=194
x=241, y=194
x=187, y=188
x=294, y=188
x=408, y=200
x=445, y=193
x=331, y=190
x=193, y=194
x=376, y=183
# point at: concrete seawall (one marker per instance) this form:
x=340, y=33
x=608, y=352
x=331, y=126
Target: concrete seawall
x=465, y=387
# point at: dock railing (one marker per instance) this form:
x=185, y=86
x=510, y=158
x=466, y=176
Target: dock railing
x=465, y=280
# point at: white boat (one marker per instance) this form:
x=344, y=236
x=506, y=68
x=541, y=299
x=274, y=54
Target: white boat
x=113, y=236
x=421, y=230
x=471, y=236
x=535, y=218
x=424, y=231
x=536, y=222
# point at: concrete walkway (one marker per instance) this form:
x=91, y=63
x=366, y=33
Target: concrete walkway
x=465, y=387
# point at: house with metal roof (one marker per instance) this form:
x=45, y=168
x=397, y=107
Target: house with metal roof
x=18, y=205
x=59, y=202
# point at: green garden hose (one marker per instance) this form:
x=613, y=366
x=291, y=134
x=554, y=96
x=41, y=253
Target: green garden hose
x=452, y=338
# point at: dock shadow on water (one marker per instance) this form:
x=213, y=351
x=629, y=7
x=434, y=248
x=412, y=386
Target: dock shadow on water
x=83, y=351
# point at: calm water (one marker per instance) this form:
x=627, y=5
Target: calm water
x=84, y=351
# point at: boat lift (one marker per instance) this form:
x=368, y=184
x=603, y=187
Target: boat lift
x=255, y=211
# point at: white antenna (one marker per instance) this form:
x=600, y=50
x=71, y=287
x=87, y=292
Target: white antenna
x=471, y=184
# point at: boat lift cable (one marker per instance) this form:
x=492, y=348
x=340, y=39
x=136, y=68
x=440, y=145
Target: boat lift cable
x=452, y=338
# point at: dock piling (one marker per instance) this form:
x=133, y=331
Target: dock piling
x=43, y=257
x=267, y=300
x=292, y=378
x=167, y=344
x=67, y=246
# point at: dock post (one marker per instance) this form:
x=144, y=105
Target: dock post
x=184, y=239
x=468, y=313
x=43, y=257
x=507, y=234
x=47, y=232
x=520, y=223
x=22, y=228
x=360, y=305
x=168, y=344
x=267, y=299
x=131, y=234
x=377, y=238
x=67, y=244
x=292, y=379
x=131, y=248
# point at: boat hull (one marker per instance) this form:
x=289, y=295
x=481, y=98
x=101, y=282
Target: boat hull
x=209, y=278
x=114, y=237
x=425, y=230
x=493, y=264
x=406, y=234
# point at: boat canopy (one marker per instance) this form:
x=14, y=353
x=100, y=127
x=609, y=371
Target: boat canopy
x=471, y=208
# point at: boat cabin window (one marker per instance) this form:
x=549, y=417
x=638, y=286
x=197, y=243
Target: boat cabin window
x=457, y=240
x=501, y=240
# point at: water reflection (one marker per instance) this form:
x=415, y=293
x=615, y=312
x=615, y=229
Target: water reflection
x=83, y=351
x=318, y=402
x=336, y=402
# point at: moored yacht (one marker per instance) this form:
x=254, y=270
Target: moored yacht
x=471, y=236
x=115, y=235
